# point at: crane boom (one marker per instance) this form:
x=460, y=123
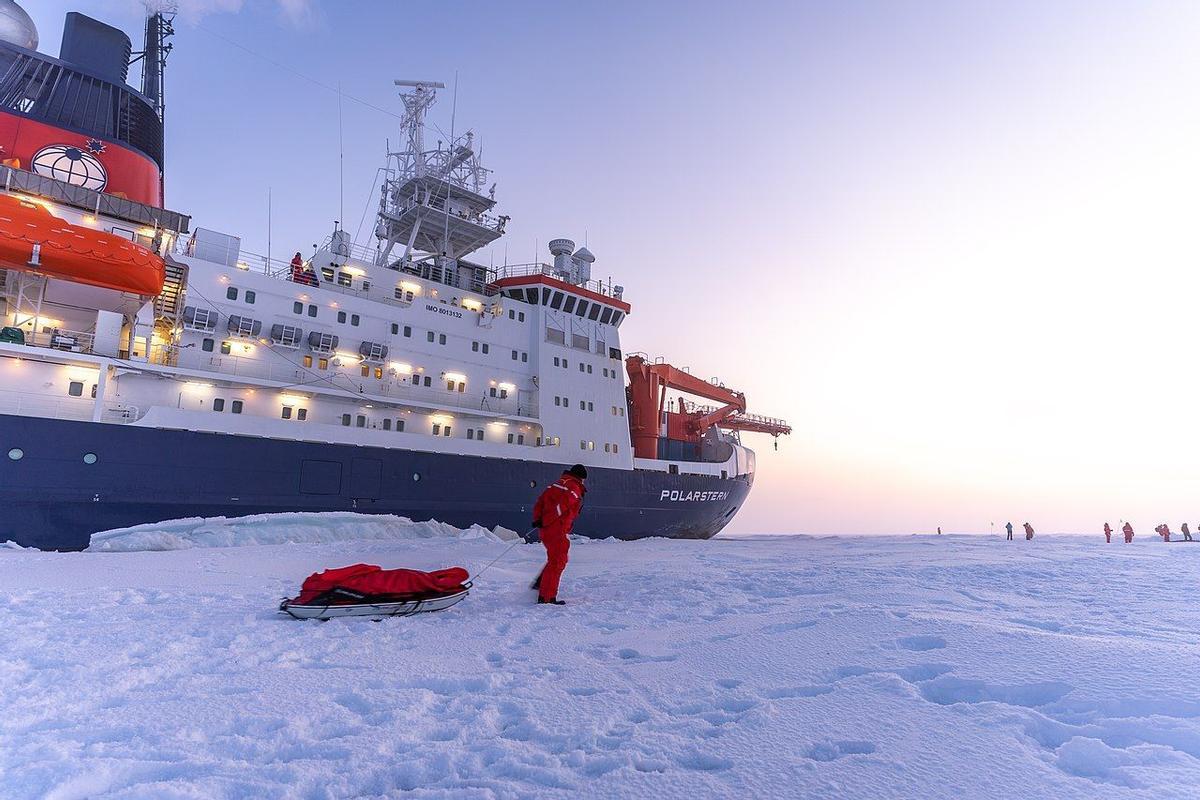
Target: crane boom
x=650, y=419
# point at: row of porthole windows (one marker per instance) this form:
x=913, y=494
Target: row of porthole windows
x=585, y=368
x=232, y=294
x=16, y=454
x=584, y=405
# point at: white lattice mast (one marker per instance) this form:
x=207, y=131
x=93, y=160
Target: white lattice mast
x=432, y=201
x=412, y=161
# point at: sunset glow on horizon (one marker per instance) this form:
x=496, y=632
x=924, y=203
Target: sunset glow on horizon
x=953, y=245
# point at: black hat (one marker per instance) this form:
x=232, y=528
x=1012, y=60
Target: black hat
x=579, y=471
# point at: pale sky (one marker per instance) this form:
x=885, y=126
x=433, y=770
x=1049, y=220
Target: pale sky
x=954, y=244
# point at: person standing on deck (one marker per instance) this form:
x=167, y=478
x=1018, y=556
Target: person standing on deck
x=1127, y=529
x=1187, y=535
x=1008, y=527
x=555, y=513
x=1108, y=533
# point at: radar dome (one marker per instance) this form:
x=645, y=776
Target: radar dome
x=561, y=247
x=16, y=27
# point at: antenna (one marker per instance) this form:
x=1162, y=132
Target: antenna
x=453, y=115
x=341, y=160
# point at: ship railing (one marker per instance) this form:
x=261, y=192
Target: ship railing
x=308, y=277
x=396, y=386
x=359, y=252
x=34, y=404
x=490, y=221
x=91, y=200
x=61, y=339
x=606, y=288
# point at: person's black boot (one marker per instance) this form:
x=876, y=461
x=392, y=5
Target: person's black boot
x=553, y=601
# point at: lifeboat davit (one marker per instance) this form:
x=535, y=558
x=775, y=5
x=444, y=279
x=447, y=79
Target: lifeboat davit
x=34, y=240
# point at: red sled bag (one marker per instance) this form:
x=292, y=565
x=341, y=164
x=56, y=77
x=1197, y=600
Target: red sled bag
x=368, y=583
x=365, y=590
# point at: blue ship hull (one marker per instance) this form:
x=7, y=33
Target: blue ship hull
x=52, y=499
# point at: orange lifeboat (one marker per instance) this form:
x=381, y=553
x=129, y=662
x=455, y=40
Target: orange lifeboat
x=34, y=240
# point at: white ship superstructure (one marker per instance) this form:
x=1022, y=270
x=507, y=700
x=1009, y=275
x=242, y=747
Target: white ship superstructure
x=377, y=361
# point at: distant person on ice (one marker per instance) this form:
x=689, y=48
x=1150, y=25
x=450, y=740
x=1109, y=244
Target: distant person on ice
x=1164, y=531
x=1008, y=527
x=1107, y=533
x=1187, y=535
x=555, y=513
x=1028, y=531
x=1127, y=529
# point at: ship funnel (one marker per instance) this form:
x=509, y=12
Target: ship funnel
x=16, y=27
x=561, y=250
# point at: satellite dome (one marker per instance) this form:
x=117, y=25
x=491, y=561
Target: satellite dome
x=16, y=27
x=583, y=254
x=561, y=247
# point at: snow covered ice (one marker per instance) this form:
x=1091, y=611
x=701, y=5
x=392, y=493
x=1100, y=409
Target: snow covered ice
x=920, y=667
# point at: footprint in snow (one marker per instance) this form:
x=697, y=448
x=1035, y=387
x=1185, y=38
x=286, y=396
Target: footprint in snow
x=831, y=750
x=629, y=654
x=921, y=643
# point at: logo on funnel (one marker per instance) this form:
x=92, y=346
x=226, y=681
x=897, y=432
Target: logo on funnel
x=71, y=164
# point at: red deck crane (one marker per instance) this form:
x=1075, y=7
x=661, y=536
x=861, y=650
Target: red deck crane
x=648, y=384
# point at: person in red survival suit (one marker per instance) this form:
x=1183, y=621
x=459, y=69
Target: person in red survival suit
x=1127, y=529
x=1028, y=531
x=297, y=268
x=301, y=273
x=555, y=513
x=1107, y=533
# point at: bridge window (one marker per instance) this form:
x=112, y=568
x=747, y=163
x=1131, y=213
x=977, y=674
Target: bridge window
x=235, y=407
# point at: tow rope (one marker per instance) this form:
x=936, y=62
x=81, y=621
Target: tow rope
x=519, y=540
